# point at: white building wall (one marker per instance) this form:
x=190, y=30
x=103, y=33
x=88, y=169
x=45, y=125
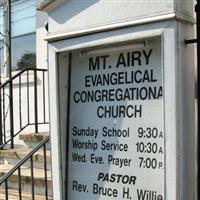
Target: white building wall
x=41, y=44
x=20, y=102
x=80, y=15
x=86, y=14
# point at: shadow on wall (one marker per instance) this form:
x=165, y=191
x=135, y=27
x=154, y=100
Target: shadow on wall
x=76, y=7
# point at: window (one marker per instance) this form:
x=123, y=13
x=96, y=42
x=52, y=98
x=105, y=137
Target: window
x=23, y=37
x=23, y=51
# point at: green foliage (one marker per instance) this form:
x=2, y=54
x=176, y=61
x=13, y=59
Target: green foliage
x=27, y=60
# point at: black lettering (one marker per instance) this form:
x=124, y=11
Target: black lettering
x=117, y=178
x=104, y=191
x=147, y=56
x=79, y=158
x=121, y=61
x=94, y=64
x=78, y=187
x=104, y=58
x=136, y=57
x=126, y=193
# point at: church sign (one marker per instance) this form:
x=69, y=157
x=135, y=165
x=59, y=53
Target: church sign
x=116, y=142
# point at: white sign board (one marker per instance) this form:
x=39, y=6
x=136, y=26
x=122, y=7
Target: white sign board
x=116, y=147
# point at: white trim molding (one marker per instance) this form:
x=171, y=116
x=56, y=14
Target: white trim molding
x=48, y=5
x=62, y=35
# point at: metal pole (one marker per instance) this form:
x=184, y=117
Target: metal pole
x=10, y=75
x=197, y=10
x=36, y=101
x=1, y=130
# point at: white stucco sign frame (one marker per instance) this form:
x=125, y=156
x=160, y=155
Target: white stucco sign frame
x=179, y=145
